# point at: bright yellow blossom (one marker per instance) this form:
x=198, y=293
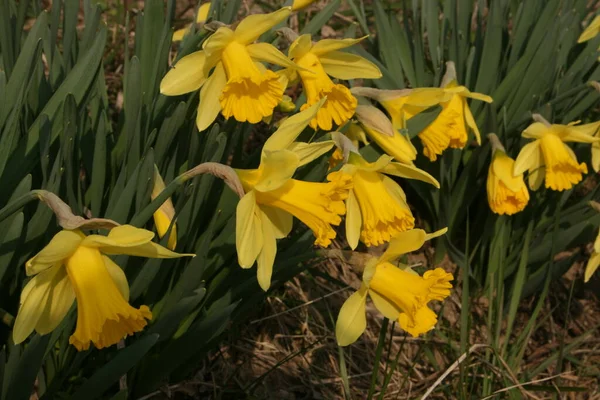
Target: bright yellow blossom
x=594, y=130
x=200, y=18
x=398, y=293
x=74, y=267
x=506, y=193
x=549, y=157
x=376, y=209
x=316, y=63
x=594, y=260
x=449, y=129
x=165, y=213
x=273, y=198
x=239, y=85
x=356, y=134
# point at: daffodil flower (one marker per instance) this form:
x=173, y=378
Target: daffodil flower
x=320, y=60
x=201, y=17
x=549, y=157
x=594, y=260
x=449, y=129
x=381, y=130
x=356, y=134
x=506, y=193
x=229, y=72
x=165, y=213
x=399, y=293
x=74, y=267
x=273, y=198
x=376, y=208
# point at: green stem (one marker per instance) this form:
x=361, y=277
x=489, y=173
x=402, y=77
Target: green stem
x=17, y=204
x=7, y=319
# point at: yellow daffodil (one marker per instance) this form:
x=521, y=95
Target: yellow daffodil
x=449, y=129
x=273, y=198
x=74, y=267
x=549, y=157
x=165, y=214
x=399, y=293
x=300, y=4
x=380, y=130
x=376, y=209
x=316, y=63
x=229, y=72
x=200, y=18
x=506, y=193
x=594, y=260
x=592, y=30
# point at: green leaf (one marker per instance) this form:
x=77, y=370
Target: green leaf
x=110, y=373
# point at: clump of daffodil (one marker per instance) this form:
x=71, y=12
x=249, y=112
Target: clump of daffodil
x=316, y=62
x=449, y=129
x=165, y=213
x=201, y=17
x=74, y=267
x=381, y=130
x=594, y=260
x=398, y=292
x=272, y=198
x=506, y=193
x=376, y=208
x=229, y=72
x=548, y=157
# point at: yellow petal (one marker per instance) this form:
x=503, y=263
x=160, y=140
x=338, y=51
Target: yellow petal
x=186, y=75
x=268, y=53
x=266, y=258
x=33, y=301
x=346, y=66
x=479, y=96
x=180, y=33
x=436, y=234
x=118, y=276
x=384, y=306
x=255, y=25
x=214, y=46
x=352, y=320
x=281, y=221
x=308, y=152
x=591, y=266
x=596, y=157
x=121, y=236
x=62, y=245
x=597, y=243
x=361, y=164
x=209, y=106
x=291, y=128
x=203, y=13
x=529, y=158
x=328, y=45
x=535, y=131
x=471, y=122
x=409, y=172
x=403, y=243
x=276, y=168
x=353, y=221
x=300, y=4
x=503, y=168
x=60, y=300
x=581, y=134
x=248, y=230
x=591, y=31
x=536, y=177
x=300, y=46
